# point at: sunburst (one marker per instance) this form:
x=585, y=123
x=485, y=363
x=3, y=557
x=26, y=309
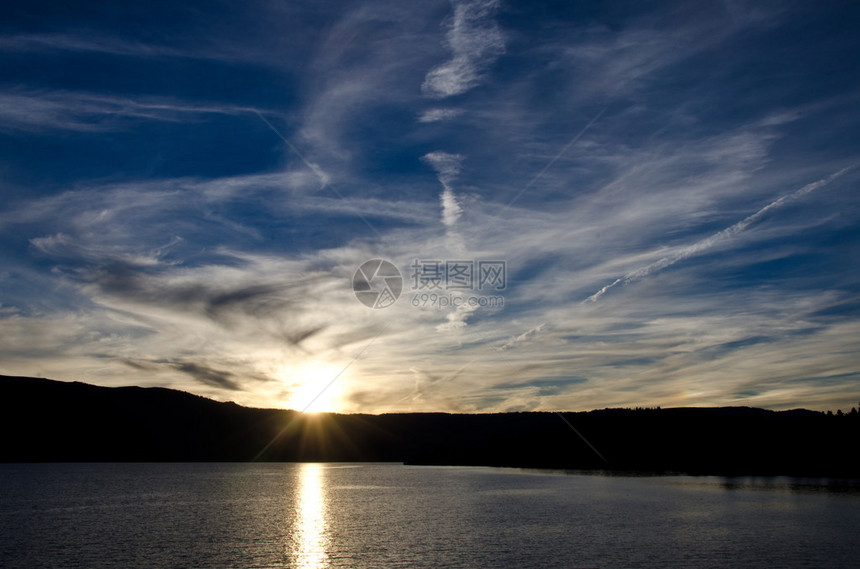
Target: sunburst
x=314, y=386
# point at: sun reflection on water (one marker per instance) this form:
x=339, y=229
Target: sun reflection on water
x=309, y=537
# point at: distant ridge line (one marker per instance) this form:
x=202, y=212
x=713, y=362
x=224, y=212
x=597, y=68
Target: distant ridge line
x=49, y=420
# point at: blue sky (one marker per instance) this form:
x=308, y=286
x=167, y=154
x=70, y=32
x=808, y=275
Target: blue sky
x=189, y=188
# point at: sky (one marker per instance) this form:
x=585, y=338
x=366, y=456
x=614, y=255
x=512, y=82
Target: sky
x=580, y=204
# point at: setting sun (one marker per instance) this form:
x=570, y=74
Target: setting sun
x=313, y=387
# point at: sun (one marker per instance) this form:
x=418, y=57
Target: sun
x=314, y=387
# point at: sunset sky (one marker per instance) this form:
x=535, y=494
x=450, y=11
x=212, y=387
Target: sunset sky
x=188, y=189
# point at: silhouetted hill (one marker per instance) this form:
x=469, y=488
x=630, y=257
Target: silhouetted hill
x=46, y=420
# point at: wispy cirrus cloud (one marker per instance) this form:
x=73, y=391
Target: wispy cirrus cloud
x=51, y=42
x=713, y=240
x=525, y=336
x=439, y=114
x=86, y=112
x=475, y=41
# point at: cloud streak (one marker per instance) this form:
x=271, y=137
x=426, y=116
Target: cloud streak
x=709, y=242
x=524, y=337
x=436, y=115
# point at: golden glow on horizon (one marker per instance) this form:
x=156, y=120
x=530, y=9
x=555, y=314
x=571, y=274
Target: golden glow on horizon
x=314, y=387
x=308, y=548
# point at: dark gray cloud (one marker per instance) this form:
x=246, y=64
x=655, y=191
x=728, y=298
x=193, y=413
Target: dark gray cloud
x=206, y=375
x=203, y=295
x=202, y=372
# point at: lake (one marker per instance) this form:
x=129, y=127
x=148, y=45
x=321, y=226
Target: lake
x=390, y=515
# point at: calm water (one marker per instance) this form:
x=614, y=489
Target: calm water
x=386, y=515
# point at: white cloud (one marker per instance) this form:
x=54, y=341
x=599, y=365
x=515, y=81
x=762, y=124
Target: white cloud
x=475, y=41
x=447, y=167
x=436, y=115
x=451, y=210
x=457, y=318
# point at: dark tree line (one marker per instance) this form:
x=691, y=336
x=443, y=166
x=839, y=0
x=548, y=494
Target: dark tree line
x=839, y=413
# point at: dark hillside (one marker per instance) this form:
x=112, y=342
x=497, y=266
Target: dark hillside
x=46, y=420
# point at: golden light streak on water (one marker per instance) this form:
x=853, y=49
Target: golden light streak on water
x=309, y=540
